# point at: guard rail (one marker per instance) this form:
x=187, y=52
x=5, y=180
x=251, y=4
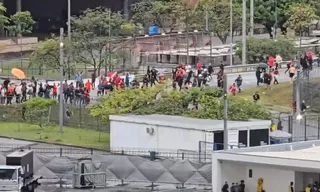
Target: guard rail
x=247, y=68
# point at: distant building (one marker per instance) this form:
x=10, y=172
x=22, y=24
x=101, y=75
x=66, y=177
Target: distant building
x=51, y=15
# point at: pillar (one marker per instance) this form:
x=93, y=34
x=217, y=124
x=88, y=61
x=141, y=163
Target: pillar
x=126, y=9
x=18, y=5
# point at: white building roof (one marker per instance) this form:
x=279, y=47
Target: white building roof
x=312, y=153
x=190, y=123
x=301, y=155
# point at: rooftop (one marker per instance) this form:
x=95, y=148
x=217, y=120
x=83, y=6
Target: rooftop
x=190, y=123
x=305, y=155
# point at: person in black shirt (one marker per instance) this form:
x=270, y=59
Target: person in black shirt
x=225, y=187
x=256, y=97
x=232, y=188
x=145, y=81
x=303, y=106
x=242, y=186
x=6, y=83
x=210, y=69
x=258, y=76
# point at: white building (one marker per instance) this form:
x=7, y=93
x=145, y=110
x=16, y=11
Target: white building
x=162, y=132
x=278, y=165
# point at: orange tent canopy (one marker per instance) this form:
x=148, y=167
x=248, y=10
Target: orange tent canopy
x=18, y=73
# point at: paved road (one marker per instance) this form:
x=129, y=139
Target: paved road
x=249, y=78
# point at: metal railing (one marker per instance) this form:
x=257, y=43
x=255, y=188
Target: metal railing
x=62, y=151
x=308, y=128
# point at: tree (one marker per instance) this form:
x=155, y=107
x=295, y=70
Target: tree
x=154, y=12
x=46, y=56
x=259, y=49
x=97, y=34
x=3, y=19
x=300, y=17
x=168, y=15
x=219, y=17
x=22, y=23
x=36, y=110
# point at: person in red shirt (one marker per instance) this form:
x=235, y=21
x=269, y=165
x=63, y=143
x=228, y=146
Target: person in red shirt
x=199, y=65
x=54, y=91
x=117, y=80
x=271, y=61
x=233, y=89
x=88, y=86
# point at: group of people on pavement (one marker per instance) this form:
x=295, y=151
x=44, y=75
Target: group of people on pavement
x=235, y=187
x=186, y=76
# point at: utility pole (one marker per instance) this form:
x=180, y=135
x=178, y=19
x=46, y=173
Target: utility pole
x=109, y=36
x=61, y=110
x=187, y=36
x=207, y=20
x=231, y=32
x=275, y=18
x=251, y=17
x=69, y=20
x=108, y=60
x=244, y=32
x=225, y=113
x=298, y=99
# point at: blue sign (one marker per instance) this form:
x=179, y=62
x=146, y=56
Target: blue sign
x=153, y=30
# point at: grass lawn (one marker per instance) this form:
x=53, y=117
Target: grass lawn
x=70, y=136
x=279, y=98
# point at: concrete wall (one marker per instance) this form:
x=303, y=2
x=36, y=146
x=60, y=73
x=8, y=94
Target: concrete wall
x=275, y=178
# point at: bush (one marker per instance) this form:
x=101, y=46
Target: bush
x=204, y=103
x=259, y=49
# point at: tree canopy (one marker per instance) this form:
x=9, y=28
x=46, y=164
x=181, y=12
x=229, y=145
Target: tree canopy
x=22, y=23
x=46, y=56
x=219, y=17
x=300, y=16
x=97, y=35
x=158, y=100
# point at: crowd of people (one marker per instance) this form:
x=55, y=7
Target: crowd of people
x=183, y=76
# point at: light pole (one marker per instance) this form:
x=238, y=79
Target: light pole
x=69, y=20
x=251, y=17
x=298, y=99
x=244, y=32
x=225, y=113
x=61, y=110
x=275, y=18
x=231, y=32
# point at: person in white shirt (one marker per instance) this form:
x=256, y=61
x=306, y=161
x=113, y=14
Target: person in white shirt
x=278, y=61
x=18, y=92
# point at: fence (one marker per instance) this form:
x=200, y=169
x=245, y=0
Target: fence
x=80, y=117
x=308, y=128
x=64, y=151
x=309, y=88
x=51, y=73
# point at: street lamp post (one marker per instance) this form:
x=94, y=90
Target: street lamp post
x=251, y=17
x=61, y=110
x=275, y=18
x=244, y=32
x=231, y=32
x=298, y=99
x=225, y=113
x=69, y=20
